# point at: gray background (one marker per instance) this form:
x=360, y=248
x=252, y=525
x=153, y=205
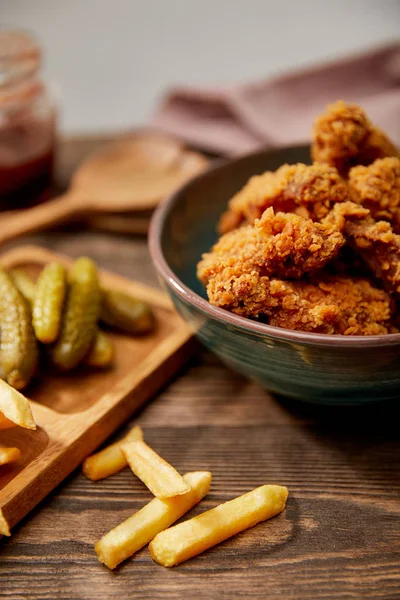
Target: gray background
x=114, y=59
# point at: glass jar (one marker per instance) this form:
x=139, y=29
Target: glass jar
x=27, y=122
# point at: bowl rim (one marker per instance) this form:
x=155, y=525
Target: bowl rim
x=225, y=317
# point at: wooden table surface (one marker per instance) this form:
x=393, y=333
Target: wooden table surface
x=338, y=538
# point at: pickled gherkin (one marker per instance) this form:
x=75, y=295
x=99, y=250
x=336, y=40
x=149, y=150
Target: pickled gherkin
x=80, y=316
x=24, y=283
x=101, y=353
x=18, y=346
x=126, y=313
x=48, y=302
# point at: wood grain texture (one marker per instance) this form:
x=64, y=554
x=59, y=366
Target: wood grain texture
x=338, y=538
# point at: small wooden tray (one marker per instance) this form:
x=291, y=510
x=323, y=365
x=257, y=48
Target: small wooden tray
x=76, y=412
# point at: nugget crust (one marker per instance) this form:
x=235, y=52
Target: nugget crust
x=282, y=244
x=377, y=187
x=343, y=136
x=330, y=304
x=307, y=190
x=374, y=241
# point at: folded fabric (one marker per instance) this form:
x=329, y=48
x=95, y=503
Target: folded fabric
x=234, y=120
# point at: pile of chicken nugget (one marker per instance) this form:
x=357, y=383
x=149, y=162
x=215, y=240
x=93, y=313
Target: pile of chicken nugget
x=316, y=247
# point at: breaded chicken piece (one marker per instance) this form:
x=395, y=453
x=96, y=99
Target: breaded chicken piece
x=292, y=245
x=338, y=305
x=341, y=214
x=283, y=244
x=307, y=190
x=331, y=304
x=377, y=187
x=343, y=136
x=249, y=203
x=374, y=241
x=240, y=275
x=246, y=294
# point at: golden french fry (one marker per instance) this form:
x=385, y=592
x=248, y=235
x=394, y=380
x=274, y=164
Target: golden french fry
x=159, y=476
x=9, y=455
x=5, y=423
x=15, y=406
x=110, y=460
x=183, y=541
x=4, y=527
x=137, y=531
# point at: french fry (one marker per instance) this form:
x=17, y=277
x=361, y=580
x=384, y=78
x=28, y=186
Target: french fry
x=15, y=406
x=4, y=527
x=5, y=423
x=110, y=460
x=137, y=531
x=9, y=455
x=159, y=476
x=183, y=541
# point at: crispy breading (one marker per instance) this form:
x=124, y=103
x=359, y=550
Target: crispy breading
x=377, y=187
x=374, y=241
x=307, y=190
x=249, y=203
x=282, y=244
x=246, y=294
x=330, y=304
x=274, y=262
x=339, y=305
x=343, y=136
x=238, y=270
x=347, y=211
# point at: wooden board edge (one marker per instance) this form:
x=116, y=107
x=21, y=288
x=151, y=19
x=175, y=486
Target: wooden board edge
x=21, y=501
x=157, y=356
x=4, y=526
x=88, y=429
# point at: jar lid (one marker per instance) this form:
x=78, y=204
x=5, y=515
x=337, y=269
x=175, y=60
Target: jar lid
x=20, y=56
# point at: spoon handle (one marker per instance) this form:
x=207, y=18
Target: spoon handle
x=56, y=211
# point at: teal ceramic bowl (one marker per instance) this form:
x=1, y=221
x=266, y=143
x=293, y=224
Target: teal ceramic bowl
x=330, y=369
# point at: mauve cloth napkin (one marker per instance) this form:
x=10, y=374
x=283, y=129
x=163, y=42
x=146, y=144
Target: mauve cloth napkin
x=279, y=112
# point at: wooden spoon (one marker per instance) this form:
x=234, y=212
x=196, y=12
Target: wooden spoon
x=132, y=174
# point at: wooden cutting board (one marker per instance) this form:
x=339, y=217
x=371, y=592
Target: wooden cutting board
x=76, y=412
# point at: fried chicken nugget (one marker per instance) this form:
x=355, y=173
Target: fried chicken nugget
x=377, y=187
x=249, y=203
x=336, y=305
x=343, y=136
x=282, y=244
x=374, y=241
x=307, y=190
x=331, y=304
x=237, y=274
x=245, y=294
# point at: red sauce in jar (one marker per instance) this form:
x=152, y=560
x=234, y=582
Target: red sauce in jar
x=27, y=183
x=27, y=123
